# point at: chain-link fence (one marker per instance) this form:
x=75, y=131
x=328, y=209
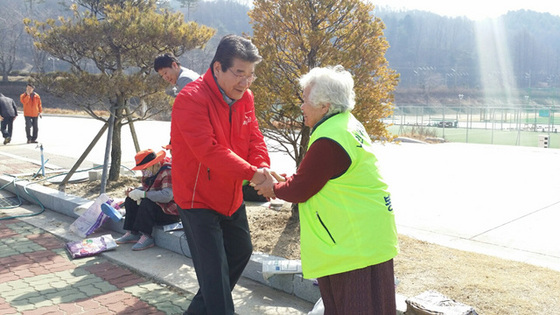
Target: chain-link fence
x=535, y=126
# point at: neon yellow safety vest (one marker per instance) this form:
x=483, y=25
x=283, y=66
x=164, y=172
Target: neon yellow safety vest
x=349, y=224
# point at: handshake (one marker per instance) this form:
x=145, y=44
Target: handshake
x=263, y=181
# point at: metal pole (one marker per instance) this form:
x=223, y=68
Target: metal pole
x=468, y=114
x=518, y=122
x=492, y=124
x=549, y=126
x=132, y=129
x=42, y=162
x=443, y=121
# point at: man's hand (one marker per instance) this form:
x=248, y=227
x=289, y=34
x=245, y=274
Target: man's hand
x=266, y=188
x=258, y=177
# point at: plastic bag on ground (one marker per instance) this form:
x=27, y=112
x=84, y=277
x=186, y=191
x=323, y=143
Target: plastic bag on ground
x=91, y=219
x=318, y=309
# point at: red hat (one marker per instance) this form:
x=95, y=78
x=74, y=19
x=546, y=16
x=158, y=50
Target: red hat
x=147, y=158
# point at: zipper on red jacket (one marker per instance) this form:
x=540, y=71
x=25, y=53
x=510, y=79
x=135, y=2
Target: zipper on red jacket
x=208, y=171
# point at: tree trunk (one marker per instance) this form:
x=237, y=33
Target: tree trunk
x=116, y=151
x=304, y=141
x=295, y=211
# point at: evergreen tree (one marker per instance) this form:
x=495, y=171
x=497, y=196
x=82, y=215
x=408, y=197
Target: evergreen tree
x=111, y=45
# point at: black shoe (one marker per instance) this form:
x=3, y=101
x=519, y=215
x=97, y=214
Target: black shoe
x=34, y=141
x=28, y=141
x=6, y=141
x=9, y=139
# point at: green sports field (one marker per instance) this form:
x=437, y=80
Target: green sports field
x=484, y=136
x=533, y=127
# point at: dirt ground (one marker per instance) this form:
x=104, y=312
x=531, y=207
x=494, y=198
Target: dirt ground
x=490, y=285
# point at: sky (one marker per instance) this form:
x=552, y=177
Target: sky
x=473, y=9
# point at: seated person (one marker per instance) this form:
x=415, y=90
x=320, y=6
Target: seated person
x=149, y=205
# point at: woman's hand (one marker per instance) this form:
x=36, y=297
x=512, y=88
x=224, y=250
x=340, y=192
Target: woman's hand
x=280, y=178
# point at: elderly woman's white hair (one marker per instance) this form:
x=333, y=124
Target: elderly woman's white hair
x=330, y=85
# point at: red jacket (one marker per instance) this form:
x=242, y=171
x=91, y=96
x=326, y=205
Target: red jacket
x=215, y=147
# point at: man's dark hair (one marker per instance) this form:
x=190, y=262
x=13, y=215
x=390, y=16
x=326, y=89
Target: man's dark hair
x=234, y=46
x=30, y=84
x=165, y=61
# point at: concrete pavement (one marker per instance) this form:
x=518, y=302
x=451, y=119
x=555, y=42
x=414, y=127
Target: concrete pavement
x=501, y=201
x=38, y=277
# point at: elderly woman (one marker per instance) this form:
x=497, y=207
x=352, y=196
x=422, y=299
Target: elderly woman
x=152, y=203
x=348, y=233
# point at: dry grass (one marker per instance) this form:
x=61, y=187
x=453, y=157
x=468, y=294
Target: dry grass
x=73, y=112
x=491, y=285
x=90, y=190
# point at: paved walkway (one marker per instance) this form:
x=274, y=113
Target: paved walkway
x=38, y=277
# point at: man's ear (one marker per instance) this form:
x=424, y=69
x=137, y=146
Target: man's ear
x=217, y=67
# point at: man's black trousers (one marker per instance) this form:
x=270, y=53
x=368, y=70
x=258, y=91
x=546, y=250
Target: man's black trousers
x=220, y=247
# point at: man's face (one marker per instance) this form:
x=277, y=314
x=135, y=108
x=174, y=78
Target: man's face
x=29, y=89
x=237, y=79
x=170, y=74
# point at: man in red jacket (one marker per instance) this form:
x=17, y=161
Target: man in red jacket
x=217, y=145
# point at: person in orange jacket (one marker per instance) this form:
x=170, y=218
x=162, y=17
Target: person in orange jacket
x=32, y=109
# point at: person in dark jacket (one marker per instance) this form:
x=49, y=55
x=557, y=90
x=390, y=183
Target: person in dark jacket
x=8, y=112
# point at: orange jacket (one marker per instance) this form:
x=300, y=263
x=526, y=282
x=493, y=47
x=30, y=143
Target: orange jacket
x=32, y=106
